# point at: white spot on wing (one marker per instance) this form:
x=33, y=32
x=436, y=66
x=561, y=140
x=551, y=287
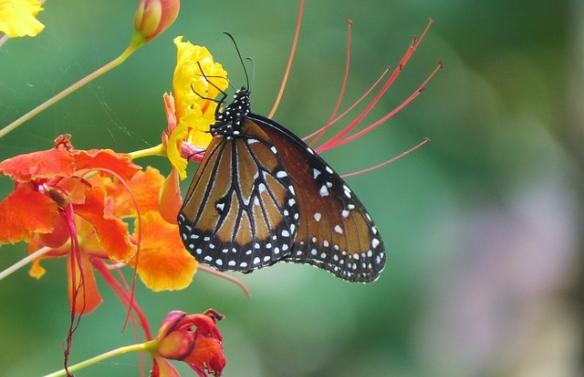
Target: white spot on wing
x=317, y=216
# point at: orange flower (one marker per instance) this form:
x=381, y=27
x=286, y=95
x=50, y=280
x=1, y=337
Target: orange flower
x=55, y=205
x=77, y=204
x=193, y=339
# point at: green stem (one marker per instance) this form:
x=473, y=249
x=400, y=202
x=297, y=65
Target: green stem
x=134, y=45
x=24, y=261
x=143, y=347
x=148, y=152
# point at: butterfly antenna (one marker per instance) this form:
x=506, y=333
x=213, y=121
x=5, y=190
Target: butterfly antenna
x=223, y=94
x=224, y=78
x=253, y=70
x=240, y=58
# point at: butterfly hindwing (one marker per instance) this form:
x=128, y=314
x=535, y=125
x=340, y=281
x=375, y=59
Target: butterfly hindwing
x=240, y=212
x=335, y=232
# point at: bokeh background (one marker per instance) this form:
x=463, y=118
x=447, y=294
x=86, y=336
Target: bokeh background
x=483, y=224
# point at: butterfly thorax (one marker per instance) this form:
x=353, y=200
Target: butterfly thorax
x=230, y=119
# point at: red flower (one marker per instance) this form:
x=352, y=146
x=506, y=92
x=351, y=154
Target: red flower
x=193, y=339
x=55, y=205
x=75, y=203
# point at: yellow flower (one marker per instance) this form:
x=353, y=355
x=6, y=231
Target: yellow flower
x=194, y=114
x=17, y=18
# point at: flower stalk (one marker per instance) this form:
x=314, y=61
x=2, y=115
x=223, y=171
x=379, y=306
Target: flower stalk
x=134, y=45
x=149, y=346
x=24, y=261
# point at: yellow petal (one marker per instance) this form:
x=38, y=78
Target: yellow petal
x=36, y=270
x=179, y=134
x=17, y=18
x=189, y=86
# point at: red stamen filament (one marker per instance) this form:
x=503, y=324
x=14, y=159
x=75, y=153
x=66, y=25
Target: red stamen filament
x=341, y=96
x=387, y=116
x=387, y=162
x=386, y=86
x=350, y=108
x=290, y=59
x=123, y=295
x=139, y=233
x=75, y=266
x=225, y=276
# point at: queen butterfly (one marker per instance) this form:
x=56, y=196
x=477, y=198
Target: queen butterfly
x=261, y=195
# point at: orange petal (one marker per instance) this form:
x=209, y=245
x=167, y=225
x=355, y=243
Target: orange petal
x=207, y=354
x=75, y=188
x=111, y=231
x=162, y=368
x=163, y=263
x=43, y=164
x=58, y=236
x=25, y=212
x=170, y=198
x=36, y=270
x=145, y=187
x=119, y=163
x=88, y=297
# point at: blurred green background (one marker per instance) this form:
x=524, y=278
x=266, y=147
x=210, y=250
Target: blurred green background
x=485, y=268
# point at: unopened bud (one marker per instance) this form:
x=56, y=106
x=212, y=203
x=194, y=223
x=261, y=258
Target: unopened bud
x=155, y=16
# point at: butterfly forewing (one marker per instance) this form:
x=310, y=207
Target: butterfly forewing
x=334, y=230
x=240, y=212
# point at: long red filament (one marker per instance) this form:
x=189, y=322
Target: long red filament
x=75, y=266
x=350, y=108
x=290, y=59
x=139, y=233
x=386, y=86
x=225, y=276
x=124, y=296
x=388, y=161
x=390, y=114
x=341, y=96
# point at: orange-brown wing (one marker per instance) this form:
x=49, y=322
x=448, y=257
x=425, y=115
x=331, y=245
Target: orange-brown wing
x=240, y=212
x=335, y=232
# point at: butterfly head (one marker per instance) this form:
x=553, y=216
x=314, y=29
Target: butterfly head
x=229, y=120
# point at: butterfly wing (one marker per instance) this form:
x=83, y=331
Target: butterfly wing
x=240, y=212
x=335, y=232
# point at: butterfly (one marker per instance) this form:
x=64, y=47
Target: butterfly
x=262, y=195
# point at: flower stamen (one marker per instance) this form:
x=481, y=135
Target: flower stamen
x=290, y=59
x=341, y=96
x=388, y=161
x=350, y=108
x=390, y=114
x=332, y=142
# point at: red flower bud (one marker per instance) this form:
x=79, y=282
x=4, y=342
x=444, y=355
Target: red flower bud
x=193, y=339
x=155, y=16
